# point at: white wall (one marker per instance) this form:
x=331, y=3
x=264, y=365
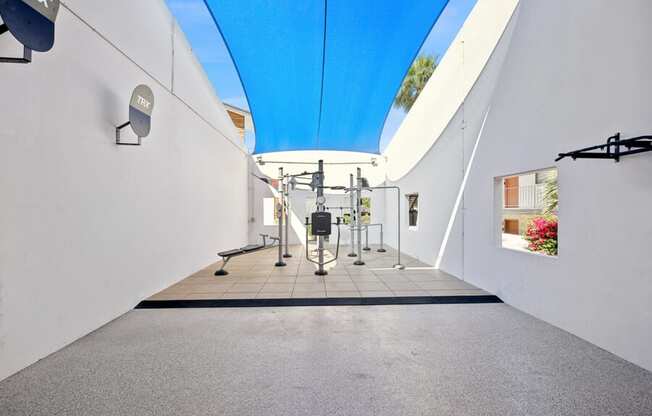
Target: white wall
x=448, y=88
x=556, y=94
x=90, y=228
x=439, y=174
x=567, y=82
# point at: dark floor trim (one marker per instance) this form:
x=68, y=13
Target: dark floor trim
x=251, y=303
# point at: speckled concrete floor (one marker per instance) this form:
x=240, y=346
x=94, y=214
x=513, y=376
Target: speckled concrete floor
x=363, y=360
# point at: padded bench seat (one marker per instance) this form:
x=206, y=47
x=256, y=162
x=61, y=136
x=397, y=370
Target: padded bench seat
x=242, y=250
x=227, y=255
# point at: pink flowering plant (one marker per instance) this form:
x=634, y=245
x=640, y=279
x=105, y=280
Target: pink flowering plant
x=541, y=235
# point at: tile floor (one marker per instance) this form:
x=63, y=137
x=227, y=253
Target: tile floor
x=254, y=276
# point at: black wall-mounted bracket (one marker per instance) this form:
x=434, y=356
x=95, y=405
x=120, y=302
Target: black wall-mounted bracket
x=27, y=52
x=117, y=136
x=614, y=149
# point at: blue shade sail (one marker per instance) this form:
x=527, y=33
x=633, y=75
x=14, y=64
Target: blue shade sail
x=322, y=74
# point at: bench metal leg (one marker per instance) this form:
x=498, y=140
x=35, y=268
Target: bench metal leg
x=223, y=272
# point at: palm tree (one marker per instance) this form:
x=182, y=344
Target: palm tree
x=417, y=77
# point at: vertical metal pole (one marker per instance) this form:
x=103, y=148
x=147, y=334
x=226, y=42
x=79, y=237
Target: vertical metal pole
x=359, y=262
x=320, y=208
x=352, y=217
x=279, y=215
x=398, y=265
x=287, y=221
x=382, y=244
x=366, y=239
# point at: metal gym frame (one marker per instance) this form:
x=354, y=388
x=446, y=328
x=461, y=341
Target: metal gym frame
x=366, y=238
x=354, y=215
x=318, y=185
x=358, y=209
x=351, y=210
x=363, y=186
x=280, y=209
x=259, y=160
x=355, y=225
x=286, y=218
x=398, y=264
x=320, y=207
x=341, y=209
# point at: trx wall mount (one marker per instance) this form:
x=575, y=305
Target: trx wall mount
x=614, y=149
x=141, y=107
x=31, y=22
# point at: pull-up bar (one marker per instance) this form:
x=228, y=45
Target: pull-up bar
x=614, y=149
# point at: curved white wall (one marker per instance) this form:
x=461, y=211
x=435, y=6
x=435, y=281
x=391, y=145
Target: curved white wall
x=90, y=228
x=568, y=82
x=573, y=74
x=438, y=176
x=447, y=89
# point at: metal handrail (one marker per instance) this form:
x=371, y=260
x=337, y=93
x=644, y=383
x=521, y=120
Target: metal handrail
x=337, y=249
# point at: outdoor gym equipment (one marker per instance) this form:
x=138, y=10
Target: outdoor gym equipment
x=366, y=238
x=363, y=185
x=321, y=220
x=358, y=206
x=280, y=209
x=351, y=210
x=341, y=209
x=286, y=218
x=398, y=264
x=321, y=223
x=251, y=248
x=354, y=215
x=281, y=213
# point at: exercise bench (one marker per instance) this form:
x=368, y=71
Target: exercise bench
x=248, y=249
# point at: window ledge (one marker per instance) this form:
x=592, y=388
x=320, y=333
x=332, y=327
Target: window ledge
x=531, y=253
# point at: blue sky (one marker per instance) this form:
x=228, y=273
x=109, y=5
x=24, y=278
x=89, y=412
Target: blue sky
x=207, y=43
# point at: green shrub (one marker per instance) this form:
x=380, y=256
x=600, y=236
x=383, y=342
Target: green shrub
x=542, y=235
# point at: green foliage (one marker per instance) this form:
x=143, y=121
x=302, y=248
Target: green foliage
x=551, y=196
x=415, y=81
x=542, y=235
